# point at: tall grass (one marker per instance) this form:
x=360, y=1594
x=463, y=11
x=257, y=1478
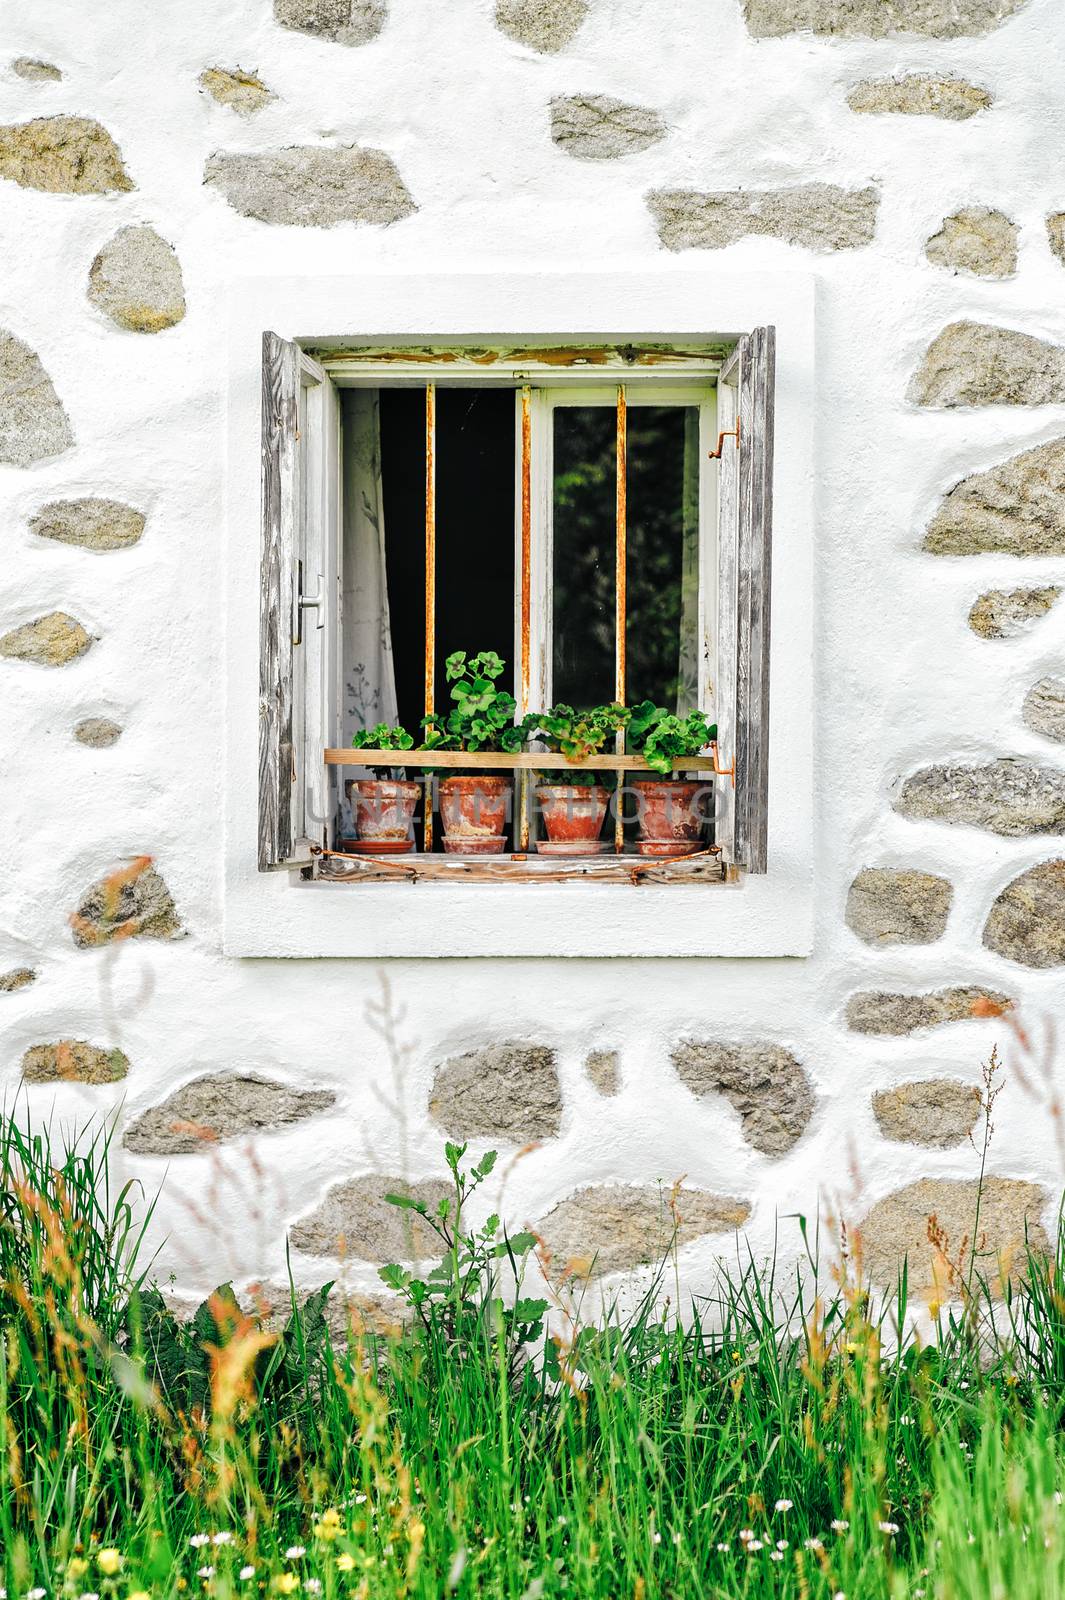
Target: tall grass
x=780, y=1439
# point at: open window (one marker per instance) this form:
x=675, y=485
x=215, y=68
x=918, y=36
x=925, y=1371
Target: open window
x=600, y=517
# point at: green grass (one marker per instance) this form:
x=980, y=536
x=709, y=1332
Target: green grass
x=778, y=1441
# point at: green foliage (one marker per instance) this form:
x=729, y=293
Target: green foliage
x=385, y=736
x=482, y=717
x=659, y=736
x=576, y=735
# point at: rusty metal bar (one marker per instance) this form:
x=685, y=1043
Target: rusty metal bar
x=526, y=595
x=430, y=593
x=620, y=553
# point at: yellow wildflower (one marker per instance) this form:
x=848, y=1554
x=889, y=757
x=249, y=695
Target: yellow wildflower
x=286, y=1582
x=109, y=1561
x=345, y=1562
x=77, y=1567
x=328, y=1525
x=139, y=1594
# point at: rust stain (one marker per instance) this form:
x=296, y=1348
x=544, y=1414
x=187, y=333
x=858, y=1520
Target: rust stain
x=430, y=584
x=620, y=565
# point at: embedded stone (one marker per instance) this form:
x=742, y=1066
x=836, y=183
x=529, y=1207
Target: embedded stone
x=17, y=978
x=49, y=641
x=878, y=19
x=341, y=21
x=615, y=1227
x=1056, y=234
x=355, y=1219
x=1013, y=509
x=136, y=280
x=602, y=1068
x=97, y=732
x=818, y=216
x=92, y=524
x=1010, y=797
x=348, y=1316
x=1005, y=613
x=763, y=1082
x=221, y=1106
x=73, y=1061
x=935, y=1113
x=544, y=25
x=33, y=424
x=127, y=904
x=919, y=94
x=1026, y=924
x=1004, y=1211
x=976, y=240
x=241, y=91
x=976, y=364
x=35, y=71
x=889, y=905
x=312, y=186
x=1044, y=709
x=596, y=127
x=501, y=1091
x=897, y=1014
x=62, y=155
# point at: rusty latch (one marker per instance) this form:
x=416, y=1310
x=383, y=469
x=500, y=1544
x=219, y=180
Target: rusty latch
x=730, y=433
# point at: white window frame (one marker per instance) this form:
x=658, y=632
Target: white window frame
x=277, y=914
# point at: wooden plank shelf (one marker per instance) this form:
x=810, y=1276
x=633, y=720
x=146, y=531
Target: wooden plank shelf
x=633, y=870
x=526, y=760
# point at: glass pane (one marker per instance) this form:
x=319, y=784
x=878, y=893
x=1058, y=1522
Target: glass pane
x=583, y=556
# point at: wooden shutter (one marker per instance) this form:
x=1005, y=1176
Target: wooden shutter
x=745, y=529
x=298, y=641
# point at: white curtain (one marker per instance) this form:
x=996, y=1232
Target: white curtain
x=688, y=663
x=369, y=679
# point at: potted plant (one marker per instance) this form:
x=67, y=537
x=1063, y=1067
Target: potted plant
x=383, y=808
x=573, y=803
x=671, y=812
x=475, y=806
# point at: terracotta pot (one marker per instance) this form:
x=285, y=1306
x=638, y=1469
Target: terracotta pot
x=573, y=812
x=383, y=809
x=475, y=807
x=484, y=844
x=672, y=810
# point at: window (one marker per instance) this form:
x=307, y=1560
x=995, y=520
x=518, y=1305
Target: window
x=599, y=514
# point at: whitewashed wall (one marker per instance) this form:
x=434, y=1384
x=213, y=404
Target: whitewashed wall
x=901, y=680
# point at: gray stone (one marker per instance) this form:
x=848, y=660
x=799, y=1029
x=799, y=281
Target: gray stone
x=33, y=424
x=935, y=1113
x=502, y=1091
x=73, y=1061
x=894, y=1015
x=614, y=1227
x=350, y=22
x=1005, y=613
x=1026, y=924
x=596, y=127
x=49, y=641
x=1044, y=709
x=62, y=155
x=130, y=903
x=349, y=1317
x=35, y=71
x=136, y=281
x=17, y=978
x=544, y=25
x=763, y=1082
x=241, y=91
x=1010, y=797
x=976, y=364
x=976, y=240
x=92, y=524
x=312, y=186
x=898, y=1228
x=920, y=94
x=602, y=1067
x=355, y=1219
x=1013, y=509
x=878, y=19
x=818, y=216
x=1056, y=234
x=220, y=1106
x=889, y=905
x=97, y=732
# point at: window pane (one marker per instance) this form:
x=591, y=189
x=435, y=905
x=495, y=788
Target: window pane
x=583, y=557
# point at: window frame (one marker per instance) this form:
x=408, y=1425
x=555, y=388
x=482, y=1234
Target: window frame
x=269, y=914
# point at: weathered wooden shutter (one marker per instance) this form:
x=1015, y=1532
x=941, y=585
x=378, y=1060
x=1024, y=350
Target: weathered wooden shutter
x=299, y=600
x=745, y=530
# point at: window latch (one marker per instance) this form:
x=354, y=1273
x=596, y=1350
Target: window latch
x=730, y=433
x=307, y=602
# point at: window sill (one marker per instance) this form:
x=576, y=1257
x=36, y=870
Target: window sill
x=703, y=868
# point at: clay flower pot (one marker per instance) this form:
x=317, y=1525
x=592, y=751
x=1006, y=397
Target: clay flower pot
x=573, y=814
x=671, y=813
x=383, y=809
x=474, y=813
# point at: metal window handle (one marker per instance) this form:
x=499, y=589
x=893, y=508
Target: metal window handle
x=307, y=602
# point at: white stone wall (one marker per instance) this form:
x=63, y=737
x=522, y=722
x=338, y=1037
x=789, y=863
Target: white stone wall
x=499, y=153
